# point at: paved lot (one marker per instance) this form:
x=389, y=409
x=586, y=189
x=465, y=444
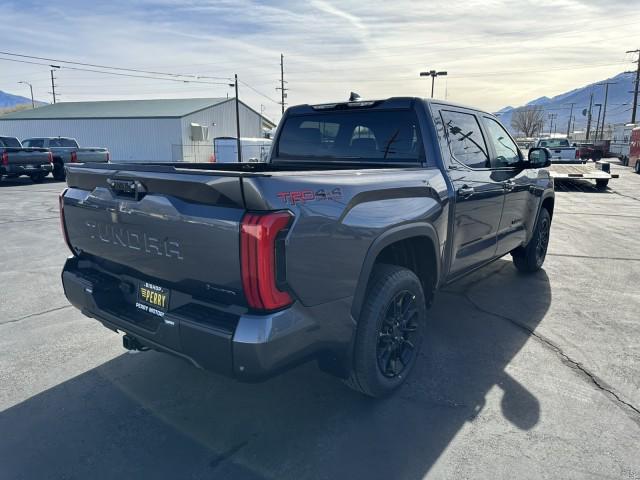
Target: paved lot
x=521, y=377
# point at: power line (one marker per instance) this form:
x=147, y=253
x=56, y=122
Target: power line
x=124, y=69
x=258, y=91
x=169, y=79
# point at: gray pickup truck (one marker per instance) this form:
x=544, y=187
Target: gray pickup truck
x=66, y=150
x=15, y=160
x=332, y=250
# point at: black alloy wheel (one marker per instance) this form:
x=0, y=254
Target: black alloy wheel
x=398, y=334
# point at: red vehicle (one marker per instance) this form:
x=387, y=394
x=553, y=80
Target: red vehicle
x=634, y=150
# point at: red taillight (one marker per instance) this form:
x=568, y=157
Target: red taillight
x=74, y=157
x=577, y=153
x=212, y=158
x=63, y=225
x=259, y=256
x=50, y=156
x=108, y=157
x=5, y=159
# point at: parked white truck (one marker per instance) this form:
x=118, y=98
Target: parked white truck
x=66, y=150
x=561, y=150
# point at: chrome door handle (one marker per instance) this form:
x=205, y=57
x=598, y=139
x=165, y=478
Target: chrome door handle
x=509, y=185
x=466, y=191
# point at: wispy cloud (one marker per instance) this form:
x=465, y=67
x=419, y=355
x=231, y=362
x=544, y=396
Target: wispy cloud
x=497, y=52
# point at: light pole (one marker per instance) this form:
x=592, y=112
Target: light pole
x=433, y=74
x=33, y=104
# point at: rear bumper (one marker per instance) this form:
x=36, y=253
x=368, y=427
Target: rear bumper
x=244, y=346
x=45, y=168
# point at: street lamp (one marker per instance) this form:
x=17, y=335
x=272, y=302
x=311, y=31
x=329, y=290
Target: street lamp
x=433, y=74
x=33, y=104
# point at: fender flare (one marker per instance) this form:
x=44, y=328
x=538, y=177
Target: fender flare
x=388, y=237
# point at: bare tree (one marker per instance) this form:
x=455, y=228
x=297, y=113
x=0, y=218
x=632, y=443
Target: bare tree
x=528, y=120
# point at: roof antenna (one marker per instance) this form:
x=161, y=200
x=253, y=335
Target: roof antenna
x=354, y=97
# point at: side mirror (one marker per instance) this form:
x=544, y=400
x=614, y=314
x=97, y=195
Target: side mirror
x=539, y=157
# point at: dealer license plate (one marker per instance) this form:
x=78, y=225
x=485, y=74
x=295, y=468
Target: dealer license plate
x=152, y=299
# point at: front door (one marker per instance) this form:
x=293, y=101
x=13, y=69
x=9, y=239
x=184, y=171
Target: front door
x=507, y=164
x=479, y=197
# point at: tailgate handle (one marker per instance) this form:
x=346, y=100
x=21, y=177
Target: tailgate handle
x=129, y=188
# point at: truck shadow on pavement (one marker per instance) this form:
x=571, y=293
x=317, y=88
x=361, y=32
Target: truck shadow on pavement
x=149, y=415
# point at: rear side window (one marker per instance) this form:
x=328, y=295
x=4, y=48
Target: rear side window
x=9, y=142
x=373, y=135
x=465, y=139
x=63, y=142
x=34, y=143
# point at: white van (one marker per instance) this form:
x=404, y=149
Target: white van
x=225, y=149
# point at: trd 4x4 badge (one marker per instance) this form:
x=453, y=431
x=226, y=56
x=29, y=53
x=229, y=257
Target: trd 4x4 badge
x=303, y=196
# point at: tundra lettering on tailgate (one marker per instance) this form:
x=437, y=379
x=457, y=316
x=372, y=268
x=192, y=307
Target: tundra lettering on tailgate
x=134, y=240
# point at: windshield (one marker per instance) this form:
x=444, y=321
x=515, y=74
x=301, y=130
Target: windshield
x=554, y=143
x=10, y=142
x=378, y=135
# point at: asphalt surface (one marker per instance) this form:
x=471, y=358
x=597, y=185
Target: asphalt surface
x=520, y=377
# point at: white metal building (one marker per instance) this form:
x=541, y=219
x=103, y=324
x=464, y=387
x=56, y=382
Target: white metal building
x=140, y=130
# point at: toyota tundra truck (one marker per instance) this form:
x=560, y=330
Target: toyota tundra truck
x=561, y=151
x=16, y=160
x=331, y=251
x=65, y=151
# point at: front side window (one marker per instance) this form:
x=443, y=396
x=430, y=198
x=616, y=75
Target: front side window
x=506, y=150
x=370, y=135
x=465, y=139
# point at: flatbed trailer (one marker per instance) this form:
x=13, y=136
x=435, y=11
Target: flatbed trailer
x=600, y=172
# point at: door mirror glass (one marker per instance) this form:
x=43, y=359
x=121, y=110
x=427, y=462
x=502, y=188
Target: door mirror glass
x=539, y=158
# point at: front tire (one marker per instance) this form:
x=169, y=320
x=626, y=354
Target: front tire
x=601, y=184
x=530, y=258
x=636, y=167
x=390, y=331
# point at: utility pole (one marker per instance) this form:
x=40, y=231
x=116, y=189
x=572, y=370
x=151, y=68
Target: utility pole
x=283, y=90
x=53, y=84
x=433, y=74
x=552, y=117
x=33, y=104
x=635, y=89
x=599, y=105
x=589, y=117
x=569, y=122
x=604, y=109
x=238, y=120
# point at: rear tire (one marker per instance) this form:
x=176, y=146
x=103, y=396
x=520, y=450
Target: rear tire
x=58, y=172
x=37, y=177
x=636, y=167
x=390, y=331
x=530, y=258
x=601, y=184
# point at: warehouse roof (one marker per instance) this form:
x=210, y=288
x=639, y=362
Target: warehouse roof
x=158, y=108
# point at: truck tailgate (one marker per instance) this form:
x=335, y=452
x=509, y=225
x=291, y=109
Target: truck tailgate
x=176, y=231
x=27, y=156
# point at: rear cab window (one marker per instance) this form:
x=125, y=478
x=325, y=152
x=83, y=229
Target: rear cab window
x=63, y=143
x=9, y=142
x=33, y=143
x=384, y=136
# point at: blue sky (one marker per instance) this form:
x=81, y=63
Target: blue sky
x=497, y=53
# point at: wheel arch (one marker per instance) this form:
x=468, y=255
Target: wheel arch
x=421, y=235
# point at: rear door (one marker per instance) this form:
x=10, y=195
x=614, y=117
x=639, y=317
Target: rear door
x=479, y=196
